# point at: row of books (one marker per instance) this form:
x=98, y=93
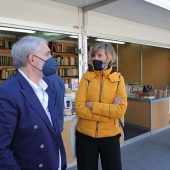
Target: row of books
x=6, y=61
x=62, y=60
x=62, y=48
x=67, y=72
x=67, y=81
x=6, y=73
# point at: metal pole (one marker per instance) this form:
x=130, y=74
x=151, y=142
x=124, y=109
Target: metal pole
x=141, y=65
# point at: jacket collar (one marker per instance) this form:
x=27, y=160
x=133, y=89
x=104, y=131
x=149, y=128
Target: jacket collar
x=115, y=76
x=104, y=73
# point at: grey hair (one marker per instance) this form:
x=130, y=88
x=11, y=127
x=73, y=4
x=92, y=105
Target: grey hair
x=24, y=47
x=111, y=55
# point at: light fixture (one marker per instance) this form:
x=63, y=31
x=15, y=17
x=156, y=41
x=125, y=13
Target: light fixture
x=16, y=30
x=161, y=3
x=51, y=34
x=111, y=41
x=73, y=36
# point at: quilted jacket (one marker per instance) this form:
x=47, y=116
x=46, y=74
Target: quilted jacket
x=100, y=88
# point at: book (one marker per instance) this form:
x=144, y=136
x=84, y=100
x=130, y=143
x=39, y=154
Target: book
x=67, y=103
x=67, y=112
x=74, y=84
x=149, y=97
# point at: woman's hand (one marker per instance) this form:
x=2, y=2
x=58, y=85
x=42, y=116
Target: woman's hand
x=88, y=104
x=117, y=100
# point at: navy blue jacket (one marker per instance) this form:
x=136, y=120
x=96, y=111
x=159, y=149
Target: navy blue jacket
x=58, y=88
x=28, y=141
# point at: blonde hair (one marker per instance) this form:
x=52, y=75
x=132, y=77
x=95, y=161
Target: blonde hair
x=110, y=53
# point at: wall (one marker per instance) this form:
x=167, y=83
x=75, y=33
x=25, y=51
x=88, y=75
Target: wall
x=39, y=14
x=129, y=62
x=110, y=27
x=155, y=64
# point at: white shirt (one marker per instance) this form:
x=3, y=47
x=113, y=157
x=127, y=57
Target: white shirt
x=43, y=98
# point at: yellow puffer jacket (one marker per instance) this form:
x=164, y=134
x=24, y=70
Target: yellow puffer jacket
x=100, y=88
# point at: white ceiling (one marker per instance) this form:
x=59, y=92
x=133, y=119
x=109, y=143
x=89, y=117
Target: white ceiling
x=133, y=10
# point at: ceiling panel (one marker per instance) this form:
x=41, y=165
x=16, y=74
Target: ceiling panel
x=138, y=11
x=133, y=10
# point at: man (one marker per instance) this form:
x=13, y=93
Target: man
x=58, y=88
x=30, y=138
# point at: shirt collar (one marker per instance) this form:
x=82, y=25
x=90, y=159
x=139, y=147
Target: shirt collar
x=42, y=83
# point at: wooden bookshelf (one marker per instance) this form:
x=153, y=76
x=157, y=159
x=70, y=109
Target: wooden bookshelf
x=6, y=61
x=69, y=77
x=6, y=64
x=6, y=67
x=67, y=66
x=5, y=52
x=65, y=53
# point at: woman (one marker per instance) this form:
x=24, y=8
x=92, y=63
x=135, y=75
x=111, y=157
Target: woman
x=100, y=101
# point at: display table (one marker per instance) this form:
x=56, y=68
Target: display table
x=151, y=114
x=65, y=134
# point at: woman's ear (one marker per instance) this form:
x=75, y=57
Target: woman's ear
x=108, y=61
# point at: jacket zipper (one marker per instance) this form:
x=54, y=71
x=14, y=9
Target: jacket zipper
x=100, y=94
x=96, y=135
x=101, y=83
x=114, y=123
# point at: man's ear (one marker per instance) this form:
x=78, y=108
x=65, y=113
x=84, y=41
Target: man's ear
x=31, y=59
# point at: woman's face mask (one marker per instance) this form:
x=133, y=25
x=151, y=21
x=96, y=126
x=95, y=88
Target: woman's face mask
x=99, y=65
x=100, y=60
x=49, y=67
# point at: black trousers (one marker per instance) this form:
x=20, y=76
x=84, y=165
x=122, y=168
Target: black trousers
x=88, y=150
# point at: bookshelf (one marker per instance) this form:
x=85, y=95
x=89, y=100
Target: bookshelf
x=6, y=64
x=65, y=53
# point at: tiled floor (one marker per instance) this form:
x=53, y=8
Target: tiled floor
x=150, y=153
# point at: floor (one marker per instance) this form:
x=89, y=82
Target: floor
x=133, y=131
x=150, y=153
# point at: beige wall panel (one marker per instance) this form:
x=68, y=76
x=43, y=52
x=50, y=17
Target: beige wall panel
x=121, y=29
x=39, y=12
x=160, y=116
x=138, y=113
x=129, y=62
x=156, y=66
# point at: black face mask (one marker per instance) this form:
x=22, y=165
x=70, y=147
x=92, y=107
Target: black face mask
x=99, y=65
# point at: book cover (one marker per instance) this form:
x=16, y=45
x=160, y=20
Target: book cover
x=67, y=103
x=74, y=84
